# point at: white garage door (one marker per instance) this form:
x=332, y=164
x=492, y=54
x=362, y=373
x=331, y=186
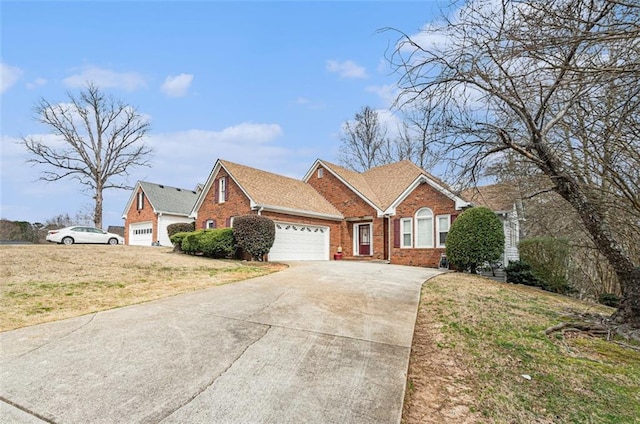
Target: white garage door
x=141, y=234
x=300, y=242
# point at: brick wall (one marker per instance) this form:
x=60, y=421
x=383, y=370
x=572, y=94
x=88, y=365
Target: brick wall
x=351, y=206
x=237, y=204
x=423, y=196
x=145, y=214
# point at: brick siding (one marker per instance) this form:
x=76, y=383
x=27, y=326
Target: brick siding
x=135, y=216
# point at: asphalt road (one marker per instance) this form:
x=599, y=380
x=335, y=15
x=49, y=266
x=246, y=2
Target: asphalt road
x=321, y=342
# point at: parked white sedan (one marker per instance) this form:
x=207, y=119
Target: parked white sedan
x=78, y=234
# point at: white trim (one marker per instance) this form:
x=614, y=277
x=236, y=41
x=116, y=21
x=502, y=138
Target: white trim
x=222, y=189
x=437, y=235
x=402, y=233
x=429, y=244
x=423, y=179
x=356, y=238
x=295, y=212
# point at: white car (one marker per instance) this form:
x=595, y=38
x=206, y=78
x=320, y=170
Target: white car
x=78, y=234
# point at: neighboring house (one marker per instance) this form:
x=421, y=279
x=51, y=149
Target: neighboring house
x=116, y=229
x=151, y=208
x=396, y=212
x=505, y=201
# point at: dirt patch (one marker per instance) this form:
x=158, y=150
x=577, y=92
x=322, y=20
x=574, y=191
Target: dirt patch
x=41, y=283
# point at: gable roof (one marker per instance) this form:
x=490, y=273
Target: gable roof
x=273, y=192
x=385, y=186
x=164, y=199
x=497, y=197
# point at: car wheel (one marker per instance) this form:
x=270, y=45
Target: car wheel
x=113, y=241
x=67, y=240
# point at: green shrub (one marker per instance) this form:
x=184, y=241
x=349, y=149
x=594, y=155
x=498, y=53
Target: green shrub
x=609, y=299
x=215, y=243
x=176, y=240
x=254, y=234
x=180, y=227
x=475, y=237
x=549, y=260
x=519, y=272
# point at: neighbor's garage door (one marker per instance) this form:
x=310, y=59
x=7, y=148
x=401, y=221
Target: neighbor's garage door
x=300, y=242
x=141, y=234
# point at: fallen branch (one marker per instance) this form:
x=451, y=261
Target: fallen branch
x=581, y=326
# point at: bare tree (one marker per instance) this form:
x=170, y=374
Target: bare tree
x=363, y=140
x=100, y=138
x=517, y=77
x=366, y=141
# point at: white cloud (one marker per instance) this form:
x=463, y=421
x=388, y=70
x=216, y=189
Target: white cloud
x=388, y=93
x=177, y=86
x=9, y=75
x=346, y=69
x=38, y=82
x=105, y=78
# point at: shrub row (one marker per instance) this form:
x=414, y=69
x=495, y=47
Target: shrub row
x=253, y=234
x=180, y=227
x=216, y=243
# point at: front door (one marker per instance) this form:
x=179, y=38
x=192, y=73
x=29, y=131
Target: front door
x=364, y=239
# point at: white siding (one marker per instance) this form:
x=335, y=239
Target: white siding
x=163, y=222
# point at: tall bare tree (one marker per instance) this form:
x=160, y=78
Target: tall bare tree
x=363, y=140
x=516, y=77
x=98, y=138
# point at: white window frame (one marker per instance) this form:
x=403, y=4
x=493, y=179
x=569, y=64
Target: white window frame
x=222, y=189
x=429, y=243
x=403, y=245
x=448, y=217
x=209, y=223
x=320, y=172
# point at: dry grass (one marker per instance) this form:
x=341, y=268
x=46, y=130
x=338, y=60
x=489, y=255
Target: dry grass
x=41, y=283
x=474, y=341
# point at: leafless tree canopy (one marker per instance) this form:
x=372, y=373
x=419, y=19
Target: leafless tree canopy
x=556, y=83
x=97, y=138
x=366, y=141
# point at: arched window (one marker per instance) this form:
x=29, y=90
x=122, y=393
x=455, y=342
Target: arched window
x=424, y=228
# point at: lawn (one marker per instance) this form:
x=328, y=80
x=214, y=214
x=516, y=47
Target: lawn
x=42, y=283
x=480, y=354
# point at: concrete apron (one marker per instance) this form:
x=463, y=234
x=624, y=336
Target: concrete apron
x=321, y=342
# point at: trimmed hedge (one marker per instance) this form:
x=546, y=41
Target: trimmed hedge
x=475, y=237
x=549, y=258
x=180, y=227
x=216, y=243
x=254, y=234
x=176, y=240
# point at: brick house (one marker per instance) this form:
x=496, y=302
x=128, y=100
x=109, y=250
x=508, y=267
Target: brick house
x=396, y=212
x=151, y=208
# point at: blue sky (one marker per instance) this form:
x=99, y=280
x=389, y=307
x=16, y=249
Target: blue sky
x=265, y=84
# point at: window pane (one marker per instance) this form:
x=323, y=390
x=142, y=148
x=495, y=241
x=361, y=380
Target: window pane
x=424, y=232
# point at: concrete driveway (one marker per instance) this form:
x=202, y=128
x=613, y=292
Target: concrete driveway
x=321, y=342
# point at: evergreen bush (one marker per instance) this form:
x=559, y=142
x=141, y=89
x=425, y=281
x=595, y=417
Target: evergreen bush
x=519, y=272
x=180, y=227
x=254, y=234
x=475, y=237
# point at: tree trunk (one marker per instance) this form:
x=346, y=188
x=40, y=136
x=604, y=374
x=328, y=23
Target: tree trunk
x=97, y=212
x=628, y=274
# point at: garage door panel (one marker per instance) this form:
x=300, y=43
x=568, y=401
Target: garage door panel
x=300, y=242
x=141, y=234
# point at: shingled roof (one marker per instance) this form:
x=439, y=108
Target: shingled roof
x=166, y=199
x=277, y=192
x=383, y=185
x=497, y=197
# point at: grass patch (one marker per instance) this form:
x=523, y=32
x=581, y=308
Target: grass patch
x=491, y=337
x=42, y=283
